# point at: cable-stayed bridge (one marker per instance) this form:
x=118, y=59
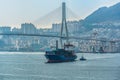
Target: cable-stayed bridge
x=61, y=15
x=54, y=36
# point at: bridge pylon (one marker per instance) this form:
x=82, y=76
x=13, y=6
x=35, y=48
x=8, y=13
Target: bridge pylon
x=64, y=29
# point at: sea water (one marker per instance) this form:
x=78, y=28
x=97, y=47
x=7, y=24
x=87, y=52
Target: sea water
x=33, y=66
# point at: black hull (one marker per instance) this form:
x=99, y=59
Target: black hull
x=59, y=58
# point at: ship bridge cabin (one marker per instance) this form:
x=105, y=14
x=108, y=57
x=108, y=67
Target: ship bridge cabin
x=69, y=47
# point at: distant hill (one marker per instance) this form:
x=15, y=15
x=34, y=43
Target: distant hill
x=105, y=14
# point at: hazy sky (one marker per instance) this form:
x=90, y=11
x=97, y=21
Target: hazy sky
x=15, y=12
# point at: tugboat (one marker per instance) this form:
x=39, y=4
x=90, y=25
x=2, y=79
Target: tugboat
x=66, y=52
x=82, y=58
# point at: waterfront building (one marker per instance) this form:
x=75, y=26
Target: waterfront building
x=73, y=26
x=28, y=28
x=5, y=29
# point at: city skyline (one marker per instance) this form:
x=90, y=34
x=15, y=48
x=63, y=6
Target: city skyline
x=15, y=12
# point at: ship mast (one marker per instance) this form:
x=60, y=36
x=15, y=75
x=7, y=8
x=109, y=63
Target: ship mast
x=64, y=29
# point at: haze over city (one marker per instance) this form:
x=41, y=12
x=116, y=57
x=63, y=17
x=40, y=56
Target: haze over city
x=15, y=12
x=59, y=39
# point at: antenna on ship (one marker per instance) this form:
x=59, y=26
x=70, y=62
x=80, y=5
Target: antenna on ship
x=64, y=29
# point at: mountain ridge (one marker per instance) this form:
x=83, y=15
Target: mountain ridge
x=104, y=14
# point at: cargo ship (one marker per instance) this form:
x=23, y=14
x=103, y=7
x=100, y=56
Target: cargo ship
x=61, y=55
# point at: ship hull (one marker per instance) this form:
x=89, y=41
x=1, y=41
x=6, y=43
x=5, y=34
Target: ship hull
x=59, y=58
